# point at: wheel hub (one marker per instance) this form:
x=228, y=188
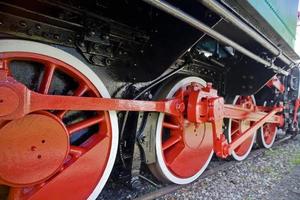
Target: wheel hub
x=194, y=134
x=32, y=149
x=184, y=147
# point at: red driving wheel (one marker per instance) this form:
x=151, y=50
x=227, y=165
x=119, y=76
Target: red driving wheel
x=183, y=149
x=235, y=127
x=55, y=154
x=266, y=135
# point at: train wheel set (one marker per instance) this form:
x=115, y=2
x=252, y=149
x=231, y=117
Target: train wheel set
x=45, y=145
x=89, y=91
x=45, y=149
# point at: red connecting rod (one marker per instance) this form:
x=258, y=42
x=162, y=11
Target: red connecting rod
x=17, y=101
x=202, y=105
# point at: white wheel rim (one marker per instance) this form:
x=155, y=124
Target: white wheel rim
x=267, y=146
x=233, y=154
x=8, y=45
x=261, y=134
x=159, y=155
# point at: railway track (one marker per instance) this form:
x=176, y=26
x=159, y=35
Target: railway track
x=222, y=167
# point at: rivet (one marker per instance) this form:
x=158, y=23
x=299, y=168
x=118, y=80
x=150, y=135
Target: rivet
x=38, y=26
x=23, y=24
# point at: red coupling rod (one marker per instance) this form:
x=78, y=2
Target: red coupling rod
x=16, y=101
x=250, y=131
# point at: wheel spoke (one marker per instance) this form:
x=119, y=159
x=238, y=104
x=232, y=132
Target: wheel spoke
x=174, y=139
x=236, y=130
x=173, y=154
x=4, y=64
x=61, y=114
x=47, y=78
x=76, y=151
x=78, y=92
x=84, y=124
x=65, y=166
x=170, y=126
x=236, y=121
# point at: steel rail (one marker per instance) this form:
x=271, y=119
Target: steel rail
x=222, y=11
x=168, y=8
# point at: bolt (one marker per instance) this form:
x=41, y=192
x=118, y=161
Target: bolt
x=1, y=23
x=92, y=33
x=38, y=26
x=33, y=148
x=23, y=24
x=180, y=107
x=81, y=44
x=108, y=62
x=70, y=40
x=56, y=36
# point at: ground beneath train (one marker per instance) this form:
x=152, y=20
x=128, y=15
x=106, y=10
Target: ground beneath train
x=289, y=186
x=276, y=173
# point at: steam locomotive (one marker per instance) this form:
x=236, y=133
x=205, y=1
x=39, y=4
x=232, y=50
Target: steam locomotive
x=115, y=88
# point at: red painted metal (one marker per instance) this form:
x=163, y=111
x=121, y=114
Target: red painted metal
x=239, y=126
x=185, y=144
x=296, y=108
x=254, y=128
x=194, y=119
x=203, y=105
x=82, y=184
x=275, y=82
x=269, y=132
x=18, y=101
x=36, y=158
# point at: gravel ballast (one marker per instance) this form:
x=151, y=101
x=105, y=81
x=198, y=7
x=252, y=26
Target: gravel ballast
x=253, y=178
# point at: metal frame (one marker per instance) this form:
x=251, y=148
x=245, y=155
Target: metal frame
x=209, y=31
x=221, y=10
